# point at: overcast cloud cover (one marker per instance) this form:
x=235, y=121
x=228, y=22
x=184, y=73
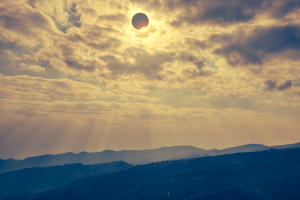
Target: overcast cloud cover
x=76, y=76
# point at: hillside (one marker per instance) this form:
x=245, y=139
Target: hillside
x=42, y=178
x=264, y=175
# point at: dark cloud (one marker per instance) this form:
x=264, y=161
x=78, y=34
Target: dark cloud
x=31, y=3
x=262, y=42
x=8, y=49
x=16, y=48
x=90, y=67
x=285, y=7
x=199, y=72
x=270, y=85
x=219, y=12
x=285, y=86
x=236, y=55
x=199, y=64
x=6, y=65
x=275, y=39
x=74, y=17
x=68, y=51
x=189, y=57
x=25, y=23
x=215, y=12
x=186, y=57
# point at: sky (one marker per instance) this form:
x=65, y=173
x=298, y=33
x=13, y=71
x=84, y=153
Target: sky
x=76, y=76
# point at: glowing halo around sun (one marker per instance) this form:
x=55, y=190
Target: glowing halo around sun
x=140, y=21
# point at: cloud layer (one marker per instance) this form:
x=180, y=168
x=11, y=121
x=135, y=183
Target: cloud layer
x=200, y=65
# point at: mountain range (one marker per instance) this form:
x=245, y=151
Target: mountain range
x=263, y=175
x=134, y=157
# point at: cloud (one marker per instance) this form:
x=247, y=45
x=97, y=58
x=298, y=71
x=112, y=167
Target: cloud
x=114, y=17
x=199, y=64
x=283, y=8
x=274, y=102
x=261, y=43
x=35, y=68
x=26, y=23
x=297, y=83
x=285, y=86
x=270, y=85
x=193, y=73
x=145, y=34
x=50, y=89
x=31, y=3
x=148, y=64
x=224, y=13
x=215, y=12
x=20, y=22
x=74, y=17
x=80, y=66
x=196, y=44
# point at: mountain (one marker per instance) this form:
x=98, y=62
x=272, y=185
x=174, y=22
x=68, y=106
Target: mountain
x=243, y=148
x=42, y=178
x=263, y=175
x=129, y=156
x=296, y=145
x=134, y=157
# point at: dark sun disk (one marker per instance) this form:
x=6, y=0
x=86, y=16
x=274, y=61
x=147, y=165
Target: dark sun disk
x=139, y=21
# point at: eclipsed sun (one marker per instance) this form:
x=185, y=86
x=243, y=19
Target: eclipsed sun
x=140, y=21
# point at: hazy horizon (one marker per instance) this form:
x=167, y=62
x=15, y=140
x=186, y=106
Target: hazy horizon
x=21, y=158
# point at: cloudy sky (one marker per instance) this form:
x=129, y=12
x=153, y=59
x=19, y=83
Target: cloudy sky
x=76, y=76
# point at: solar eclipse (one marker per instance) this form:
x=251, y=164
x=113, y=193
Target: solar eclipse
x=139, y=21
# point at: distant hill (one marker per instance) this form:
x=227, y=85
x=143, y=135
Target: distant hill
x=264, y=175
x=42, y=178
x=133, y=157
x=296, y=145
x=129, y=156
x=244, y=148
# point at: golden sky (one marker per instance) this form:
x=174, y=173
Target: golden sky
x=76, y=76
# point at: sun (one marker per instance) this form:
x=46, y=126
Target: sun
x=140, y=21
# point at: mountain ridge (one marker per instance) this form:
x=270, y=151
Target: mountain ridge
x=264, y=175
x=133, y=157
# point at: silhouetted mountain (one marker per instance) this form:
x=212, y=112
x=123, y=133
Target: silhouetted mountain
x=42, y=178
x=263, y=175
x=130, y=156
x=296, y=145
x=244, y=148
